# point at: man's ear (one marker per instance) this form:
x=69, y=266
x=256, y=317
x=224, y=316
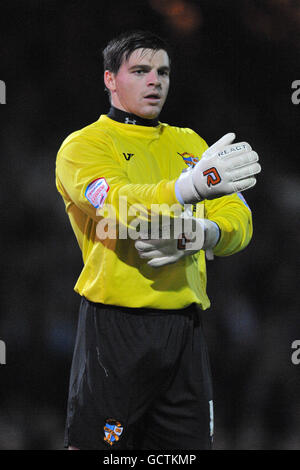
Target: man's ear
x=109, y=80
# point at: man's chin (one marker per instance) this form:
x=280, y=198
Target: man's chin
x=149, y=113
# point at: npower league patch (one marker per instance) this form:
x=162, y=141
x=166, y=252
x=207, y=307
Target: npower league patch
x=96, y=192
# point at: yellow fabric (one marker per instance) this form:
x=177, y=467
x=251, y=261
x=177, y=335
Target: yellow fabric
x=113, y=273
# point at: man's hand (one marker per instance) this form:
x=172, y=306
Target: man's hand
x=224, y=168
x=197, y=234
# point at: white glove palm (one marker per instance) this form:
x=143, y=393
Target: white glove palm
x=224, y=168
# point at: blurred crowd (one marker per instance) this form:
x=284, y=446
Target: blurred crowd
x=232, y=69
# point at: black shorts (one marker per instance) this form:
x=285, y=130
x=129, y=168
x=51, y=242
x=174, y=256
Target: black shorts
x=140, y=379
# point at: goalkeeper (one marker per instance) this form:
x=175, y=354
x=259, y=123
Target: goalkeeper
x=140, y=375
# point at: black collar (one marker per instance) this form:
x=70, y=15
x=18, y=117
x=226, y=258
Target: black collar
x=128, y=118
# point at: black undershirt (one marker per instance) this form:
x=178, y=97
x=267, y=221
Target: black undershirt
x=128, y=118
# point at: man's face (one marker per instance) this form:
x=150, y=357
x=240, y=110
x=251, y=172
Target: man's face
x=141, y=84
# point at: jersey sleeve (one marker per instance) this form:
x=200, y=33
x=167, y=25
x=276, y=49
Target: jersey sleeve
x=89, y=175
x=234, y=218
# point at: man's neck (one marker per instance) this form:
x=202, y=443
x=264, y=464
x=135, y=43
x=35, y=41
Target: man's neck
x=129, y=118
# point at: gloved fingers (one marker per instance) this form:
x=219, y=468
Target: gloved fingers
x=147, y=245
x=163, y=261
x=245, y=172
x=234, y=149
x=150, y=254
x=244, y=184
x=219, y=145
x=239, y=160
x=144, y=245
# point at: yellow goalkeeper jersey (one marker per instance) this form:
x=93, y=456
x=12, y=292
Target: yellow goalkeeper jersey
x=107, y=160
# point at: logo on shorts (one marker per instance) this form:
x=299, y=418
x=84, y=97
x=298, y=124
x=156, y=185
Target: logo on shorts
x=112, y=430
x=189, y=158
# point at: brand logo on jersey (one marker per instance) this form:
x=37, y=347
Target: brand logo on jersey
x=189, y=158
x=128, y=156
x=213, y=176
x=112, y=430
x=129, y=121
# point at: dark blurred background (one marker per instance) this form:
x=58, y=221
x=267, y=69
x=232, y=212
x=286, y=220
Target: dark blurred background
x=233, y=66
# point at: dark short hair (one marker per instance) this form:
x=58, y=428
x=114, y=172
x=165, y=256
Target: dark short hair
x=121, y=47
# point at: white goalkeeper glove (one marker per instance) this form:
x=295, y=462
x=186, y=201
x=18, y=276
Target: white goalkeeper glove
x=224, y=168
x=201, y=234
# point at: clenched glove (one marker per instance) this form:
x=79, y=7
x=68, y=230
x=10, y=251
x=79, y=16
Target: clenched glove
x=224, y=168
x=201, y=234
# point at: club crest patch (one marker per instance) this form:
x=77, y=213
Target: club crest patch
x=96, y=192
x=189, y=158
x=112, y=430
